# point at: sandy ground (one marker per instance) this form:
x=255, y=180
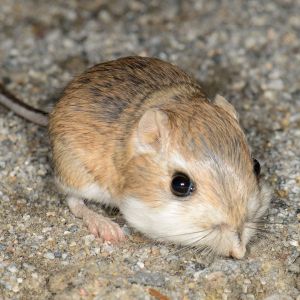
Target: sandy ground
x=249, y=51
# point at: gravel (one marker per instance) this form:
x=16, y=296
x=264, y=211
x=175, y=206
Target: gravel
x=248, y=51
x=146, y=278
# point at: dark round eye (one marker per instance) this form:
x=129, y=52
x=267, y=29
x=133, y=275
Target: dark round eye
x=181, y=185
x=256, y=167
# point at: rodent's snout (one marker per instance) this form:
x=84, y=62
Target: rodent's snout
x=238, y=252
x=233, y=240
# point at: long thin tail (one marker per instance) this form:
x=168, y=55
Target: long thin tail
x=22, y=109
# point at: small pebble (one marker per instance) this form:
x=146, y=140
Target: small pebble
x=294, y=243
x=12, y=269
x=73, y=244
x=57, y=254
x=73, y=228
x=140, y=264
x=64, y=255
x=49, y=255
x=146, y=278
x=88, y=239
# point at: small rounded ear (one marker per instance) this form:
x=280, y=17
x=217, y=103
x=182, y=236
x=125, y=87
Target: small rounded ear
x=152, y=130
x=223, y=103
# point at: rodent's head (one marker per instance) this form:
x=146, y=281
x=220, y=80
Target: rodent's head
x=192, y=179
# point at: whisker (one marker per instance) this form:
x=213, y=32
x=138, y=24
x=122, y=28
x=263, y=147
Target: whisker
x=261, y=235
x=183, y=249
x=190, y=244
x=259, y=229
x=180, y=234
x=211, y=254
x=212, y=251
x=264, y=231
x=201, y=249
x=268, y=223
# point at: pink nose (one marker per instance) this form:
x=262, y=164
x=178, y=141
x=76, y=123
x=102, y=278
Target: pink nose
x=238, y=252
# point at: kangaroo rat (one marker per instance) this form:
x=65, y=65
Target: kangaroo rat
x=139, y=134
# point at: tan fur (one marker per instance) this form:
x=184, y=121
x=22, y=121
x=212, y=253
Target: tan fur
x=129, y=124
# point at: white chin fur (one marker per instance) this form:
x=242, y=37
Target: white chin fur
x=165, y=224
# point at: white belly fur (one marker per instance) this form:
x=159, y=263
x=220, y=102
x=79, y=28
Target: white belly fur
x=89, y=192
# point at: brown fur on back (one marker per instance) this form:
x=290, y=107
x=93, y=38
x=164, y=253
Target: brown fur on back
x=92, y=124
x=94, y=119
